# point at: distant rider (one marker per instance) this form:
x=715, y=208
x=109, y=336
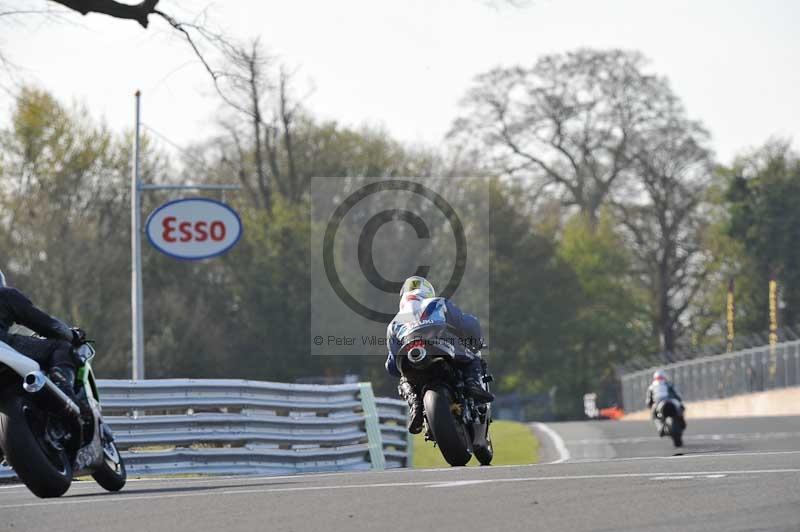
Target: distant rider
x=54, y=351
x=661, y=390
x=421, y=310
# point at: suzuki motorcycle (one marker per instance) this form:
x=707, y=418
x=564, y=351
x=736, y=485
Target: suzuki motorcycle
x=46, y=437
x=669, y=420
x=453, y=421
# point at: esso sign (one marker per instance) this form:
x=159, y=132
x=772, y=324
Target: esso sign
x=194, y=229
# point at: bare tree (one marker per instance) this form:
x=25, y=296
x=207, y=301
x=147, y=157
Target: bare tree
x=255, y=87
x=565, y=123
x=665, y=217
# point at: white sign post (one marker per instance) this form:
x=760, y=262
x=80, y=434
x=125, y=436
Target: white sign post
x=137, y=327
x=202, y=240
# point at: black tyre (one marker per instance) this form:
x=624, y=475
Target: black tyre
x=677, y=435
x=46, y=471
x=674, y=430
x=484, y=454
x=111, y=475
x=449, y=433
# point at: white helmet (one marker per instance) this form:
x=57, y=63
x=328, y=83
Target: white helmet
x=418, y=286
x=2, y=280
x=659, y=376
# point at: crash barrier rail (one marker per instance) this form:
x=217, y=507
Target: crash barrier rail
x=716, y=377
x=184, y=426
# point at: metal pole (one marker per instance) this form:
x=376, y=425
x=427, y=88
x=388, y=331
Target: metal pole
x=137, y=332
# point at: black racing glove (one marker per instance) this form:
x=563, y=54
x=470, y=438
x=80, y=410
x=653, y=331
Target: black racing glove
x=78, y=336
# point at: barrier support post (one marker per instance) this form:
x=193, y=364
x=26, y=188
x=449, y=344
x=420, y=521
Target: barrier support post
x=373, y=426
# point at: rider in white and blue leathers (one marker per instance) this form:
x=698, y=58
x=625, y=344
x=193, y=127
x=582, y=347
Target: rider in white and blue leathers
x=660, y=390
x=423, y=315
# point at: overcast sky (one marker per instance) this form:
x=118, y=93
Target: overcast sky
x=405, y=64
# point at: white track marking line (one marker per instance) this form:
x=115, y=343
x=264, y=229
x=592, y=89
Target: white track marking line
x=686, y=477
x=680, y=456
x=455, y=484
x=305, y=476
x=558, y=441
x=117, y=498
x=690, y=437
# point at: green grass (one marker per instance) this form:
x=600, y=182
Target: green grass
x=513, y=444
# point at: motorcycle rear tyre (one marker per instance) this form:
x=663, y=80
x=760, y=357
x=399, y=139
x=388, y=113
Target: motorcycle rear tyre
x=448, y=432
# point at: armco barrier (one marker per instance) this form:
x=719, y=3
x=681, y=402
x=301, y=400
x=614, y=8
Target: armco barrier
x=184, y=426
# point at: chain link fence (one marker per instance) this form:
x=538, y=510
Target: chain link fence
x=716, y=377
x=686, y=352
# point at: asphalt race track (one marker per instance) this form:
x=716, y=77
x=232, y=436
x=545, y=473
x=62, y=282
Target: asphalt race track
x=733, y=475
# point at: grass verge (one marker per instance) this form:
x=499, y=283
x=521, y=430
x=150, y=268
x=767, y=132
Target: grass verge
x=513, y=443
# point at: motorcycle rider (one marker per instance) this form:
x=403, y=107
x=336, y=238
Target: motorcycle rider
x=661, y=389
x=54, y=351
x=420, y=308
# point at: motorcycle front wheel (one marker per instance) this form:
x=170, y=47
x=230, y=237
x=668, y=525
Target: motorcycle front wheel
x=485, y=453
x=448, y=432
x=45, y=470
x=676, y=432
x=111, y=475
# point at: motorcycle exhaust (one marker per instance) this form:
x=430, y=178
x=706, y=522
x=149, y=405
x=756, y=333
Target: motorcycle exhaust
x=33, y=382
x=417, y=354
x=49, y=396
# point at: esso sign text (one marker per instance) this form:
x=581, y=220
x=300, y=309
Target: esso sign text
x=198, y=231
x=194, y=229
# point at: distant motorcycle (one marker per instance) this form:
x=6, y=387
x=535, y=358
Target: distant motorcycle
x=453, y=421
x=669, y=420
x=47, y=437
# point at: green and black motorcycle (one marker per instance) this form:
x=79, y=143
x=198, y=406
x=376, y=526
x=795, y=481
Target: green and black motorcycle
x=48, y=438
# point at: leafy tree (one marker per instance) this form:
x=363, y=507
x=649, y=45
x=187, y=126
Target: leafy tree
x=763, y=195
x=535, y=297
x=611, y=323
x=63, y=191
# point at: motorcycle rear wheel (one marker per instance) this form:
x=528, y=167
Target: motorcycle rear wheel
x=449, y=433
x=677, y=433
x=46, y=471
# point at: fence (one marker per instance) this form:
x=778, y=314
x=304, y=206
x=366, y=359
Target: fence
x=179, y=426
x=741, y=372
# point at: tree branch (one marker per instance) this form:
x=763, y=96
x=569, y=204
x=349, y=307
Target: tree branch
x=138, y=12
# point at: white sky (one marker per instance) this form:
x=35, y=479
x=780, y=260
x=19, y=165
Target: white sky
x=406, y=64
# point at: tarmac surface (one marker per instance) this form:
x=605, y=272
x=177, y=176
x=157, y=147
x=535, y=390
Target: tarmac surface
x=732, y=474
